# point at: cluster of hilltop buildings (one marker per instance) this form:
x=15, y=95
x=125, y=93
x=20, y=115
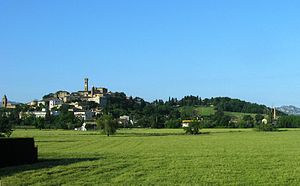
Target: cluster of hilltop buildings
x=96, y=94
x=77, y=102
x=6, y=104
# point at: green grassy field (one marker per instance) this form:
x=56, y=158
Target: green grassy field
x=201, y=110
x=240, y=115
x=160, y=157
x=207, y=111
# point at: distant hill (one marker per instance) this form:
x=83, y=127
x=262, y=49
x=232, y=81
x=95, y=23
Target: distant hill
x=290, y=110
x=225, y=104
x=208, y=111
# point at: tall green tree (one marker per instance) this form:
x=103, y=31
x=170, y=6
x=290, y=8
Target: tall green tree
x=249, y=121
x=193, y=128
x=173, y=123
x=220, y=119
x=5, y=125
x=259, y=118
x=107, y=124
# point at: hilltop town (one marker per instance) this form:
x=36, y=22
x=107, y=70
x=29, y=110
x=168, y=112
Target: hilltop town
x=85, y=104
x=66, y=110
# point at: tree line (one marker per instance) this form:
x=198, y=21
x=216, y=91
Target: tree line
x=167, y=114
x=156, y=114
x=65, y=120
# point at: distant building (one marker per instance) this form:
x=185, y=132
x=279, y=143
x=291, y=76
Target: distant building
x=33, y=103
x=186, y=123
x=78, y=102
x=38, y=114
x=124, y=120
x=76, y=105
x=86, y=84
x=39, y=103
x=6, y=104
x=62, y=94
x=4, y=101
x=55, y=102
x=96, y=94
x=96, y=112
x=96, y=99
x=36, y=103
x=84, y=114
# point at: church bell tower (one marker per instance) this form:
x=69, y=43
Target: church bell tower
x=86, y=84
x=4, y=101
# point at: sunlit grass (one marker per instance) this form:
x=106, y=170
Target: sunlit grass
x=160, y=157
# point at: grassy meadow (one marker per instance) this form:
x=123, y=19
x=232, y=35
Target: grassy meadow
x=208, y=111
x=160, y=157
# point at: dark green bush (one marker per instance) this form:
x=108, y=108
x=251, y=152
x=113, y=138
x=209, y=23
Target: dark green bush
x=266, y=127
x=5, y=126
x=193, y=128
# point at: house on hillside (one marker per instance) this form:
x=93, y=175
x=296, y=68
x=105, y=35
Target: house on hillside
x=55, y=102
x=83, y=114
x=186, y=123
x=124, y=120
x=38, y=114
x=7, y=104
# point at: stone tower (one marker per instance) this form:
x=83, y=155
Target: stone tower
x=274, y=113
x=4, y=101
x=93, y=91
x=86, y=84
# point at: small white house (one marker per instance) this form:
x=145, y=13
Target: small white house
x=55, y=103
x=124, y=120
x=39, y=114
x=186, y=123
x=96, y=99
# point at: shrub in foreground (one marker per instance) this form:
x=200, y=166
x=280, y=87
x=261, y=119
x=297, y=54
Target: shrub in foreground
x=193, y=128
x=107, y=125
x=5, y=126
x=266, y=127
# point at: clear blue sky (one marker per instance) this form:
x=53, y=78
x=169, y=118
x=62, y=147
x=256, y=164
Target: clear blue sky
x=152, y=49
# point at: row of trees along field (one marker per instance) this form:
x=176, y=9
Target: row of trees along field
x=159, y=113
x=168, y=114
x=289, y=122
x=66, y=119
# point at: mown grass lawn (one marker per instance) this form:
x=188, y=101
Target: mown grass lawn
x=208, y=111
x=160, y=157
